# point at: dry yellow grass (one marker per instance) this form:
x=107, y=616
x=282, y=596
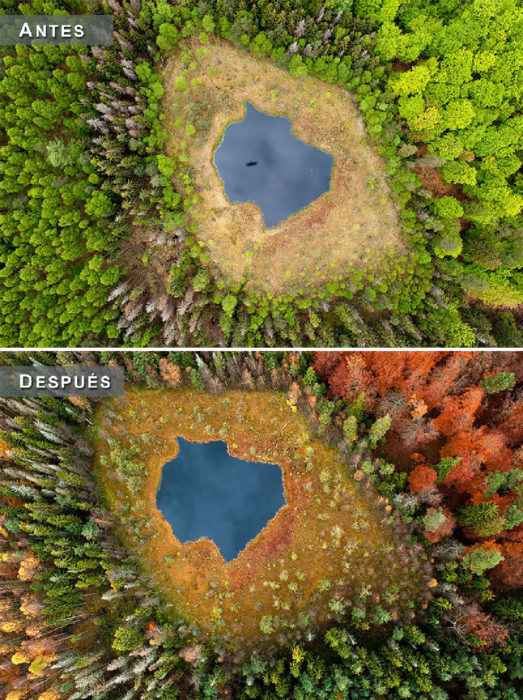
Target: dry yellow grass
x=346, y=225
x=317, y=552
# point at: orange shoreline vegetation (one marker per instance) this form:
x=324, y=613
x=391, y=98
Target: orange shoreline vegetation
x=303, y=569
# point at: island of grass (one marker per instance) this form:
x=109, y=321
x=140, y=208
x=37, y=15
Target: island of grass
x=206, y=88
x=269, y=593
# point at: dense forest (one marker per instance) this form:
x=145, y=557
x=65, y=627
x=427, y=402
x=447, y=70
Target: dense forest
x=96, y=247
x=431, y=440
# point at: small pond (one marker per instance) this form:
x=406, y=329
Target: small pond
x=204, y=492
x=259, y=160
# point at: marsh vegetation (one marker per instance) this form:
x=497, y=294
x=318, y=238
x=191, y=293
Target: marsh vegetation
x=270, y=591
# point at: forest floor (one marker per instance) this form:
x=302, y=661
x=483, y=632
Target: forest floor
x=304, y=568
x=344, y=227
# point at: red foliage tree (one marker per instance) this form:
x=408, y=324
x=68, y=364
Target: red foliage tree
x=508, y=574
x=483, y=627
x=458, y=412
x=422, y=478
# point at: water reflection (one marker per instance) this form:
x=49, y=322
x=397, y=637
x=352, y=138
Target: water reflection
x=260, y=160
x=204, y=492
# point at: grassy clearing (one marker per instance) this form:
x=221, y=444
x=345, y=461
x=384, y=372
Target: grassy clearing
x=324, y=552
x=206, y=88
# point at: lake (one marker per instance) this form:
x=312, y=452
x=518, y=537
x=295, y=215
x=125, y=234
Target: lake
x=204, y=492
x=259, y=160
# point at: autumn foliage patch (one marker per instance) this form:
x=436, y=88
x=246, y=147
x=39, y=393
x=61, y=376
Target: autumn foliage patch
x=456, y=429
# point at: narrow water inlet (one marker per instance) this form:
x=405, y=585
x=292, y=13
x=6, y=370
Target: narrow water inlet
x=205, y=492
x=260, y=160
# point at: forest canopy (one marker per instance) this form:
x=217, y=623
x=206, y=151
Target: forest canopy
x=98, y=243
x=84, y=613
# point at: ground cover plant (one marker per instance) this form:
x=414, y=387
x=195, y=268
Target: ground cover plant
x=101, y=238
x=74, y=569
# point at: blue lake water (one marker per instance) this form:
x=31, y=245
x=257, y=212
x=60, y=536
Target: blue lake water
x=204, y=492
x=259, y=160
